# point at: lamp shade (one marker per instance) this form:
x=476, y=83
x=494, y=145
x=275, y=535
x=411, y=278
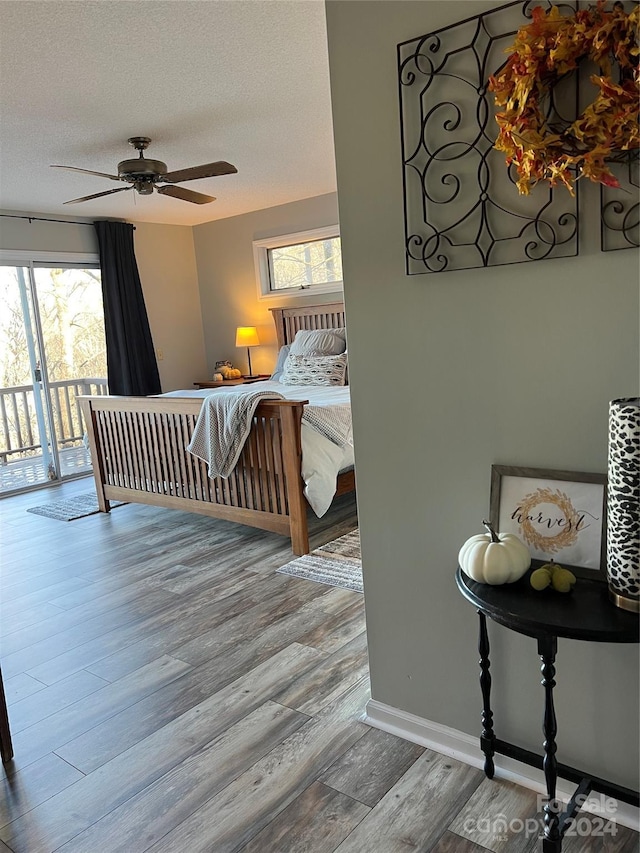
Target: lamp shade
x=247, y=336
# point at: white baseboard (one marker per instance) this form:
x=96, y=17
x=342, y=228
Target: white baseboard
x=465, y=748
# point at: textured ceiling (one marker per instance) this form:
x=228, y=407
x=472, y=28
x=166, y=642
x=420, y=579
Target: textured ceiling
x=245, y=81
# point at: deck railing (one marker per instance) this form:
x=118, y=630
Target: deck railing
x=19, y=432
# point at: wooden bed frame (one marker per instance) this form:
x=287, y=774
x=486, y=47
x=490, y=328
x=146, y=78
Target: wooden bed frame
x=137, y=450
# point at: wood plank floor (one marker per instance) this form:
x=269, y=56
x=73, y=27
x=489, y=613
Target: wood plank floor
x=169, y=692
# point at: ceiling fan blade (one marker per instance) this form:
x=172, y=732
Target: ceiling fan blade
x=209, y=170
x=88, y=172
x=97, y=195
x=186, y=195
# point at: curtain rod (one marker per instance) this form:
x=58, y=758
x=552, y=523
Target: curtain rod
x=42, y=219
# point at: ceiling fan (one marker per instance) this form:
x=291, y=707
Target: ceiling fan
x=144, y=175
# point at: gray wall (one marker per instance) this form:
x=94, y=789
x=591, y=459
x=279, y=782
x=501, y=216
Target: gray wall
x=199, y=283
x=36, y=235
x=166, y=262
x=451, y=373
x=167, y=265
x=226, y=274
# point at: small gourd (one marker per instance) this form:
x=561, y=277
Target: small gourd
x=234, y=373
x=494, y=558
x=225, y=370
x=551, y=574
x=217, y=377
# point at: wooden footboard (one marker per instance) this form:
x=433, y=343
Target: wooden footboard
x=138, y=453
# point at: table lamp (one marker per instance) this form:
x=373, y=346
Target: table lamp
x=247, y=336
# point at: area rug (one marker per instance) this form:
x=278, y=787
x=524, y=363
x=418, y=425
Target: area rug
x=71, y=508
x=336, y=564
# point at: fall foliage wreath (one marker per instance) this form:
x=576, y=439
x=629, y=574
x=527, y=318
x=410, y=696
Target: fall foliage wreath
x=549, y=47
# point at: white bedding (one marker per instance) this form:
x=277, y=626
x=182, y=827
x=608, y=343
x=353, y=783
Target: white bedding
x=322, y=459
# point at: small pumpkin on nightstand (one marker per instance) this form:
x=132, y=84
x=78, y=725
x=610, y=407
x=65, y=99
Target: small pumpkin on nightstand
x=217, y=377
x=494, y=558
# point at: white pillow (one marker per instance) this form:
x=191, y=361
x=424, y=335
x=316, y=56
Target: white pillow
x=319, y=342
x=282, y=356
x=314, y=370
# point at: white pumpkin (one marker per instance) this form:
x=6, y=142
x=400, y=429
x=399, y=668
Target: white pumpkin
x=494, y=558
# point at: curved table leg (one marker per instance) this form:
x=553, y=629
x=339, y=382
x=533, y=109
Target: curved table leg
x=6, y=748
x=487, y=739
x=551, y=839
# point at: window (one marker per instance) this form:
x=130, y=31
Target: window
x=308, y=260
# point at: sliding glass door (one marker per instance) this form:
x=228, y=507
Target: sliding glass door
x=52, y=350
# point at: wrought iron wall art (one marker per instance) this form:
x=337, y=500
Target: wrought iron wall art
x=462, y=209
x=620, y=208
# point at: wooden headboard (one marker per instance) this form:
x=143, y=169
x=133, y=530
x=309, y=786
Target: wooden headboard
x=290, y=320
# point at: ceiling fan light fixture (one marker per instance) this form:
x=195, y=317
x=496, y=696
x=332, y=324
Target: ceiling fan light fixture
x=144, y=187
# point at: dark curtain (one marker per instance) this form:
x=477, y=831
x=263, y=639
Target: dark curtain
x=131, y=361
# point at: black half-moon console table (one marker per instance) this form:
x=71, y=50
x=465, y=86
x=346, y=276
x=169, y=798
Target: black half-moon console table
x=583, y=614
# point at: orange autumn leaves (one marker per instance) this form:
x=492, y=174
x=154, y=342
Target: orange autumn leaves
x=543, y=51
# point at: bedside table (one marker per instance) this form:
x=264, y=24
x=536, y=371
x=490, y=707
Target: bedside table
x=209, y=383
x=260, y=377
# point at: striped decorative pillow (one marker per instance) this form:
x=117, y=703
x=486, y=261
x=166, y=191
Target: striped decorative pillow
x=314, y=370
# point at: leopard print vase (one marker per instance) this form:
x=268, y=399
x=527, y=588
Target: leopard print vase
x=623, y=503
